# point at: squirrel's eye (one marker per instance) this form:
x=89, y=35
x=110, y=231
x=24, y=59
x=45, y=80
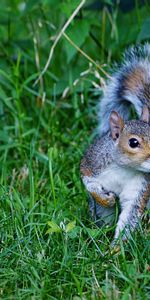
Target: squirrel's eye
x=133, y=143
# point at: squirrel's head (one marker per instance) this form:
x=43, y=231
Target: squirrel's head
x=132, y=140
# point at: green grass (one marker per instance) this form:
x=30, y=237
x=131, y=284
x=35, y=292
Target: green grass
x=50, y=248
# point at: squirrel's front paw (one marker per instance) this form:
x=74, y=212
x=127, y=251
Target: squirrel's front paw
x=106, y=199
x=110, y=197
x=111, y=200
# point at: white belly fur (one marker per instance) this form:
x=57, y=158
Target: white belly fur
x=124, y=182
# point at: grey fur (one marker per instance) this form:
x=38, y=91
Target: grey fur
x=99, y=154
x=117, y=96
x=138, y=127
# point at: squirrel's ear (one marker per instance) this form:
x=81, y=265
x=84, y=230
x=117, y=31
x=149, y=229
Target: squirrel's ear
x=145, y=114
x=116, y=124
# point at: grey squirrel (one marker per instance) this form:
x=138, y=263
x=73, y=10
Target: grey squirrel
x=117, y=163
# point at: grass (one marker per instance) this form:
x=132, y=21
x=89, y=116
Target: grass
x=50, y=248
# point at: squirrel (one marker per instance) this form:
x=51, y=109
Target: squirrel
x=117, y=163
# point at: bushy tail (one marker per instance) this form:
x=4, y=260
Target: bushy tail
x=129, y=85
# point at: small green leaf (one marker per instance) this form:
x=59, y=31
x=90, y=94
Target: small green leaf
x=70, y=226
x=67, y=7
x=92, y=232
x=75, y=232
x=78, y=32
x=53, y=227
x=145, y=31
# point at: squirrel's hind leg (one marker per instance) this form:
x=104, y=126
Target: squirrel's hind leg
x=101, y=215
